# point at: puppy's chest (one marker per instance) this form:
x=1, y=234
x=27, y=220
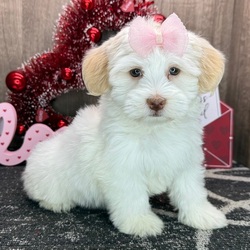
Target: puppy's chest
x=154, y=156
x=156, y=148
x=152, y=149
x=155, y=159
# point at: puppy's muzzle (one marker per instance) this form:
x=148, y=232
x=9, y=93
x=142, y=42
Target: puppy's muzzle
x=156, y=103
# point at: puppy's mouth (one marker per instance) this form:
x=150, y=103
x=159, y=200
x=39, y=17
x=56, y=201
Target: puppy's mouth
x=156, y=114
x=159, y=117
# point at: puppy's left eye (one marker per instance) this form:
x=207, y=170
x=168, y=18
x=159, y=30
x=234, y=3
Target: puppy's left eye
x=135, y=72
x=174, y=71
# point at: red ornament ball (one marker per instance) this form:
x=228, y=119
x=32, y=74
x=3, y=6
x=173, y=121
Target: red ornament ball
x=66, y=73
x=159, y=18
x=87, y=4
x=61, y=123
x=15, y=81
x=20, y=129
x=94, y=34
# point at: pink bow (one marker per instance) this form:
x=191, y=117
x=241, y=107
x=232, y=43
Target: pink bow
x=171, y=36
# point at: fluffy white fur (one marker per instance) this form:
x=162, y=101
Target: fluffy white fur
x=119, y=153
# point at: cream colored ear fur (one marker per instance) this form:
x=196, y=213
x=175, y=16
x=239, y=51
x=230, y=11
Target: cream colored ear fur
x=95, y=72
x=212, y=67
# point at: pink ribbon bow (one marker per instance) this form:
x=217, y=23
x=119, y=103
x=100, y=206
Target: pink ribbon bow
x=171, y=36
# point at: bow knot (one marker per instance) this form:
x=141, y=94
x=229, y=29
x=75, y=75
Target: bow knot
x=171, y=36
x=159, y=38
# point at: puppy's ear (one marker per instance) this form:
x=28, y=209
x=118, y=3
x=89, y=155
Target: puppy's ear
x=212, y=67
x=95, y=72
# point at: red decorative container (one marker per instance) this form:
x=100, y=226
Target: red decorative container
x=218, y=140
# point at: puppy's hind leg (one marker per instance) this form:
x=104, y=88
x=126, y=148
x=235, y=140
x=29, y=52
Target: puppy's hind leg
x=43, y=188
x=56, y=207
x=49, y=199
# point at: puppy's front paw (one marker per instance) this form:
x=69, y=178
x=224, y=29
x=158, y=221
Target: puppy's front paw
x=203, y=217
x=142, y=225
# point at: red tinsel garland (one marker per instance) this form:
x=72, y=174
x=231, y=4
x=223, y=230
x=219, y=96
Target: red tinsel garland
x=46, y=76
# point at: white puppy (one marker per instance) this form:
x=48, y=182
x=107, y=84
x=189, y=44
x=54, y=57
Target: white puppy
x=143, y=139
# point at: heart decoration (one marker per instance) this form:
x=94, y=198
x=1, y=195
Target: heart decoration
x=8, y=123
x=41, y=115
x=224, y=130
x=128, y=6
x=216, y=144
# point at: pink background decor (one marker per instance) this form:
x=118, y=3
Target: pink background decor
x=8, y=123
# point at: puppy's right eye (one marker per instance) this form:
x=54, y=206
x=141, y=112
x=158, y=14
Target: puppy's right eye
x=135, y=72
x=174, y=71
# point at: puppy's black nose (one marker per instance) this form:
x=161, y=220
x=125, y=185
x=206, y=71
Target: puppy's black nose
x=156, y=103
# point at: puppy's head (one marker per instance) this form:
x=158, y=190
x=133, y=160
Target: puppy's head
x=153, y=79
